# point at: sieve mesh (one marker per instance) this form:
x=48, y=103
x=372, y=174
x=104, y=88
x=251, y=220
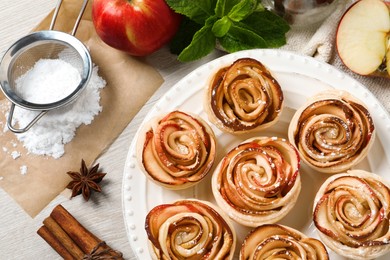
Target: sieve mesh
x=27, y=51
x=25, y=59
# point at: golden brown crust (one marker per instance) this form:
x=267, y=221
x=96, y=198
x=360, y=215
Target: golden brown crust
x=333, y=131
x=189, y=228
x=176, y=150
x=258, y=181
x=351, y=213
x=272, y=241
x=243, y=97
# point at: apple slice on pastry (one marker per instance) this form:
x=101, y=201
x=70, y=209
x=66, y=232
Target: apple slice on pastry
x=272, y=241
x=189, y=229
x=258, y=181
x=243, y=97
x=333, y=131
x=176, y=150
x=351, y=213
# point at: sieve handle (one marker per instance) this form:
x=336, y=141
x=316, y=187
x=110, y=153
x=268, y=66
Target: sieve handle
x=26, y=128
x=76, y=25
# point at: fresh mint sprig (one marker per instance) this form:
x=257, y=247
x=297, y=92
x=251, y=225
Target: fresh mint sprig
x=235, y=24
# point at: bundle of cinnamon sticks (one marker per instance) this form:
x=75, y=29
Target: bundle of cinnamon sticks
x=71, y=240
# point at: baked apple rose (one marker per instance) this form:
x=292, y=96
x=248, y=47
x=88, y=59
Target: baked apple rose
x=176, y=150
x=273, y=241
x=243, y=97
x=333, y=131
x=351, y=213
x=189, y=229
x=258, y=181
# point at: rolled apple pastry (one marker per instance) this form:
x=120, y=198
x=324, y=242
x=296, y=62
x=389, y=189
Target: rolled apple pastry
x=258, y=181
x=272, y=241
x=176, y=150
x=333, y=131
x=243, y=97
x=351, y=213
x=189, y=229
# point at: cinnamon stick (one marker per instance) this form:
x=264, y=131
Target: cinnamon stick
x=54, y=243
x=71, y=240
x=63, y=238
x=80, y=235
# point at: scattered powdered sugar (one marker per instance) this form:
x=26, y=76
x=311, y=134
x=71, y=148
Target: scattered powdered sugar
x=49, y=135
x=23, y=169
x=49, y=80
x=5, y=110
x=15, y=155
x=5, y=128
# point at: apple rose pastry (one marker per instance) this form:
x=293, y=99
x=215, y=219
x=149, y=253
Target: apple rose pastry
x=189, y=229
x=258, y=181
x=272, y=241
x=333, y=131
x=351, y=213
x=243, y=97
x=176, y=150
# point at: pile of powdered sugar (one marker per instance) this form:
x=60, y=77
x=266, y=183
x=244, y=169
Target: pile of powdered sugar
x=48, y=81
x=56, y=128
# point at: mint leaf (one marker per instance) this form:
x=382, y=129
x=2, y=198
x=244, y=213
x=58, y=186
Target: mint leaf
x=239, y=38
x=259, y=8
x=242, y=10
x=221, y=27
x=237, y=24
x=271, y=27
x=197, y=10
x=184, y=35
x=223, y=7
x=202, y=43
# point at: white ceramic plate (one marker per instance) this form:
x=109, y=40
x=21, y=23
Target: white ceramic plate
x=300, y=77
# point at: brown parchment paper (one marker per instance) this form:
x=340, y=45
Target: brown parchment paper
x=130, y=83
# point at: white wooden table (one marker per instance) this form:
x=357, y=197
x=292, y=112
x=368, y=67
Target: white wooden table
x=102, y=215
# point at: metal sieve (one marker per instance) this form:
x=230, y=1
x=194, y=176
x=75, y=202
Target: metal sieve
x=46, y=44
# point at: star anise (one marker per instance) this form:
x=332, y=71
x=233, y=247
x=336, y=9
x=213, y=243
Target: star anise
x=85, y=180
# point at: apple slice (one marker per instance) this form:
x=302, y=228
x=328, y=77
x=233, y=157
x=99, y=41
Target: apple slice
x=362, y=38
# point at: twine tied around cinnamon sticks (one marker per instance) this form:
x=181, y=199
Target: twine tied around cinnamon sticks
x=71, y=240
x=103, y=254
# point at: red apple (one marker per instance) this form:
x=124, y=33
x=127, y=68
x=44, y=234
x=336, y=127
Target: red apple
x=363, y=38
x=138, y=27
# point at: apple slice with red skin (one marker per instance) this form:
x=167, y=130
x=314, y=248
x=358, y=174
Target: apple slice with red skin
x=353, y=231
x=363, y=38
